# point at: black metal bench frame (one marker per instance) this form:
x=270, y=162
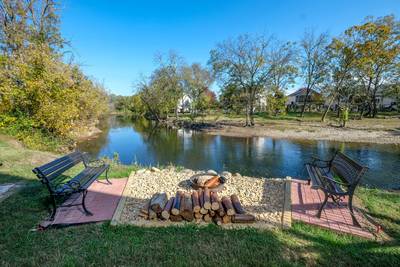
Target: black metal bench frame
x=323, y=175
x=61, y=188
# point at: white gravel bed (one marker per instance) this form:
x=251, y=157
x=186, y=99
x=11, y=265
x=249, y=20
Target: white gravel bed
x=264, y=198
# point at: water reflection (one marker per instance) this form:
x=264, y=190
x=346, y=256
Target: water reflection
x=143, y=142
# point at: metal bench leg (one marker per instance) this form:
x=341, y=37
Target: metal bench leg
x=355, y=222
x=54, y=210
x=322, y=205
x=84, y=193
x=108, y=181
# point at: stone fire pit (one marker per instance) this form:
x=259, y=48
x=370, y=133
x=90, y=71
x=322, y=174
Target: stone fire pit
x=267, y=199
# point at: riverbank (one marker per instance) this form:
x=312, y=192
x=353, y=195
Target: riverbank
x=369, y=130
x=300, y=245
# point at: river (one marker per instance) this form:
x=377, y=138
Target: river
x=142, y=142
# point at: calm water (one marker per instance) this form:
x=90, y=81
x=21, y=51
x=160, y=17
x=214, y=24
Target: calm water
x=142, y=142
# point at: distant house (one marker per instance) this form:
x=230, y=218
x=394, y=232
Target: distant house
x=385, y=102
x=298, y=98
x=184, y=104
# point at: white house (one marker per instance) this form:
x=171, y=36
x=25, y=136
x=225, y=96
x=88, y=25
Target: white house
x=184, y=104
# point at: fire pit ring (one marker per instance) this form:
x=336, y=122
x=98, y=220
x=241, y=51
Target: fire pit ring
x=218, y=188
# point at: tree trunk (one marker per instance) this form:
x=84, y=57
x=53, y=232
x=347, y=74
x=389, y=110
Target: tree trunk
x=327, y=109
x=305, y=102
x=247, y=116
x=374, y=106
x=176, y=113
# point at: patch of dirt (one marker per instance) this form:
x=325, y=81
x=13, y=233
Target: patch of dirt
x=10, y=141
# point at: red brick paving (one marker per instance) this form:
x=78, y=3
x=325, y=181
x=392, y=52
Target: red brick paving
x=101, y=200
x=305, y=204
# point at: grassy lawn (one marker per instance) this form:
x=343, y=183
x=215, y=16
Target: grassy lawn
x=102, y=244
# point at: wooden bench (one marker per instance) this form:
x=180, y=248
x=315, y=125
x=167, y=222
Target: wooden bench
x=337, y=177
x=61, y=187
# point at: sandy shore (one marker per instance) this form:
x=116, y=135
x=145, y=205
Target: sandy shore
x=309, y=132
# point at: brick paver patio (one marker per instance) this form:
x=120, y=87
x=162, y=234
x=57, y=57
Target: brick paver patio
x=305, y=204
x=102, y=200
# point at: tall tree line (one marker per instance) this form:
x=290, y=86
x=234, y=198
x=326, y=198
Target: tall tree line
x=39, y=91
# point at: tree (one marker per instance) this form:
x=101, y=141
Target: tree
x=313, y=62
x=232, y=99
x=276, y=103
x=340, y=82
x=377, y=45
x=243, y=62
x=39, y=93
x=29, y=22
x=196, y=81
x=283, y=59
x=169, y=79
x=163, y=90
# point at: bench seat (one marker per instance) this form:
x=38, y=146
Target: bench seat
x=337, y=177
x=83, y=180
x=61, y=187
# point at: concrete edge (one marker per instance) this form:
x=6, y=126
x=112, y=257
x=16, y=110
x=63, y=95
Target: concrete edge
x=121, y=204
x=287, y=204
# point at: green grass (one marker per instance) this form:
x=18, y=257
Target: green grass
x=105, y=245
x=384, y=207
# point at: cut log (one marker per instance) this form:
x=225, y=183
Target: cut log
x=145, y=209
x=217, y=220
x=226, y=219
x=198, y=215
x=203, y=211
x=158, y=202
x=152, y=215
x=144, y=215
x=213, y=182
x=186, y=210
x=237, y=205
x=195, y=201
x=201, y=198
x=243, y=218
x=214, y=201
x=221, y=210
x=206, y=199
x=207, y=218
x=167, y=209
x=177, y=203
x=175, y=218
x=212, y=213
x=226, y=201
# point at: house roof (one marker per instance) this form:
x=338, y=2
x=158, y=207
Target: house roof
x=302, y=91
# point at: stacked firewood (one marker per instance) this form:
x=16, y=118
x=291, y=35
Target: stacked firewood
x=200, y=205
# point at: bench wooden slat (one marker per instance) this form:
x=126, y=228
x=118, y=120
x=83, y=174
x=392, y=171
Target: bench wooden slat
x=44, y=167
x=63, y=169
x=75, y=159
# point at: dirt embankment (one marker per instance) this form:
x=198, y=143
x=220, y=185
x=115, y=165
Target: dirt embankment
x=362, y=133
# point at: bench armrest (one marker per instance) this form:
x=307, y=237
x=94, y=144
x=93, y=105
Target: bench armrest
x=334, y=181
x=320, y=164
x=95, y=163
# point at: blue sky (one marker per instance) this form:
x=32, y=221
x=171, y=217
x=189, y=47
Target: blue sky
x=115, y=41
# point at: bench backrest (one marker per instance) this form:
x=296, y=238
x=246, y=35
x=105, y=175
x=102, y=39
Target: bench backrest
x=347, y=169
x=48, y=173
